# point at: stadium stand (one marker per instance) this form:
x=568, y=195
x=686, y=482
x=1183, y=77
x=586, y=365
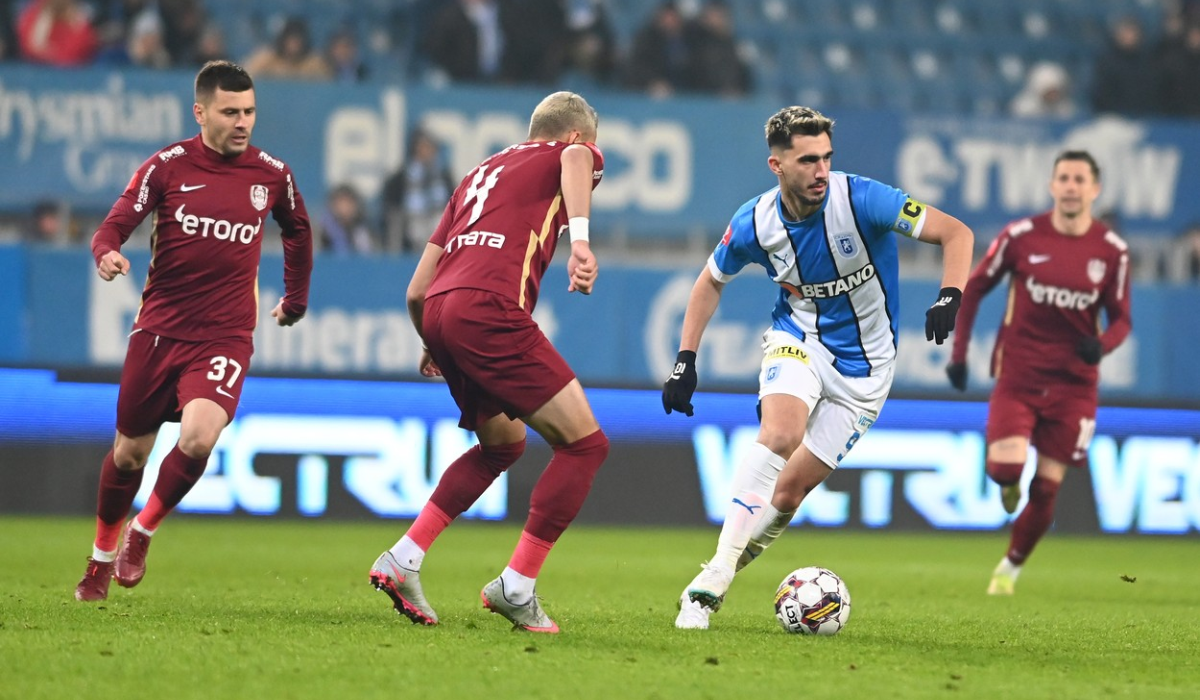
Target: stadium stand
x=921, y=57
x=958, y=56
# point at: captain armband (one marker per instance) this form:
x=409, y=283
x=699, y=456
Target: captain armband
x=911, y=219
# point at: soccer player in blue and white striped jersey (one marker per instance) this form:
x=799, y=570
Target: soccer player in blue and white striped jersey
x=826, y=238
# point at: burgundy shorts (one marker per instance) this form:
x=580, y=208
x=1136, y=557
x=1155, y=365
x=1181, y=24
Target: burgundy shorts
x=162, y=375
x=492, y=354
x=1059, y=421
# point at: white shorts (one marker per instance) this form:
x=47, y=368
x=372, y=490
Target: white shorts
x=841, y=409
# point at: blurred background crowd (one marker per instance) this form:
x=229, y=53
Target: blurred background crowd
x=988, y=58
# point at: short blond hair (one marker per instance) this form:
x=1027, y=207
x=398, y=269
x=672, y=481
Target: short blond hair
x=796, y=121
x=561, y=112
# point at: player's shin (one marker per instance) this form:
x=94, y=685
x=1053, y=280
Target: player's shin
x=410, y=549
x=1035, y=519
x=118, y=487
x=556, y=500
x=753, y=485
x=1004, y=473
x=176, y=477
x=463, y=482
x=467, y=477
x=773, y=524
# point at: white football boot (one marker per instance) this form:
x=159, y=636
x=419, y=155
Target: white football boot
x=709, y=586
x=692, y=616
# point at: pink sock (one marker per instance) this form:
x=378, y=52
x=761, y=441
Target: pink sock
x=428, y=525
x=152, y=515
x=529, y=556
x=107, y=535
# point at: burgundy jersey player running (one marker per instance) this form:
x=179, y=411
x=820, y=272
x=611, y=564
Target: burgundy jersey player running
x=471, y=298
x=1064, y=267
x=191, y=342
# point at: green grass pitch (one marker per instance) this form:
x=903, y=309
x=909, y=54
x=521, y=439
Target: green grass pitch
x=279, y=609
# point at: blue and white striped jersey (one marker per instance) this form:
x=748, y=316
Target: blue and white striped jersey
x=837, y=269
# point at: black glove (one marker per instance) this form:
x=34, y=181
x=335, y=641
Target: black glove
x=939, y=319
x=1090, y=350
x=957, y=372
x=679, y=387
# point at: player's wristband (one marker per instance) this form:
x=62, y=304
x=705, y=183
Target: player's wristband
x=578, y=226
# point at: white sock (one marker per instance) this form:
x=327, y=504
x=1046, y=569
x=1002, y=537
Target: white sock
x=408, y=554
x=137, y=525
x=773, y=524
x=1008, y=568
x=518, y=588
x=101, y=555
x=753, y=485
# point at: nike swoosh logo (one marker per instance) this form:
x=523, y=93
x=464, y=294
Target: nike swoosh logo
x=1038, y=259
x=222, y=392
x=189, y=188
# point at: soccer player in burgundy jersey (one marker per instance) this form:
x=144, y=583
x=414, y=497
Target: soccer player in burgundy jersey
x=191, y=341
x=1064, y=266
x=471, y=299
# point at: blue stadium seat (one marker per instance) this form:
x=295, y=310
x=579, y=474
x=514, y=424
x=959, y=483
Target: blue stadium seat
x=823, y=15
x=855, y=92
x=908, y=18
x=863, y=48
x=992, y=17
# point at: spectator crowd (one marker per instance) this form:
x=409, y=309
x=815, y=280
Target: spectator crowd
x=676, y=47
x=679, y=47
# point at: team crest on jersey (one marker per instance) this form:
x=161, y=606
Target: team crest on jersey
x=1095, y=270
x=846, y=246
x=258, y=196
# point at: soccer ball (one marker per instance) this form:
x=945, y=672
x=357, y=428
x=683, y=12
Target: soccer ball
x=812, y=600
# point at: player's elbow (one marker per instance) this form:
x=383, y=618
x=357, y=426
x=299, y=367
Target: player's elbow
x=415, y=298
x=958, y=234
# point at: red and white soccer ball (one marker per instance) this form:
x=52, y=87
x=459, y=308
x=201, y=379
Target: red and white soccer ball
x=812, y=600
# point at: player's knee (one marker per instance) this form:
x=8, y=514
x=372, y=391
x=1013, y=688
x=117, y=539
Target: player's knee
x=602, y=445
x=1013, y=450
x=593, y=449
x=1005, y=473
x=128, y=459
x=1043, y=490
x=197, y=445
x=781, y=443
x=498, y=458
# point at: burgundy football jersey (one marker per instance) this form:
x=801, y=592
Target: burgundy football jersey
x=501, y=226
x=207, y=238
x=1058, y=285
